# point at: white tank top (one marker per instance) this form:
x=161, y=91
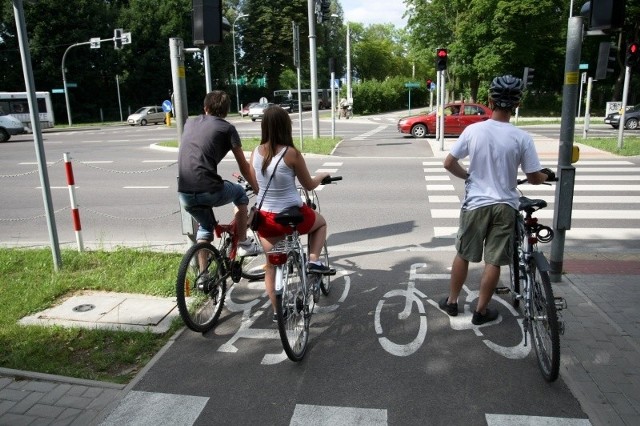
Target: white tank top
x=282, y=192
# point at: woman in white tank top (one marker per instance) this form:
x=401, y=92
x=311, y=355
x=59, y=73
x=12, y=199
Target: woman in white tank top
x=276, y=153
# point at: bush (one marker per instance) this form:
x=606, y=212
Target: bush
x=373, y=96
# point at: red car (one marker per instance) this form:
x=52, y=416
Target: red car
x=457, y=116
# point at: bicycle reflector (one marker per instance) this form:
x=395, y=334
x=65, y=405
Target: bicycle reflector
x=277, y=257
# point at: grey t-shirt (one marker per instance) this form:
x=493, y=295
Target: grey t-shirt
x=206, y=140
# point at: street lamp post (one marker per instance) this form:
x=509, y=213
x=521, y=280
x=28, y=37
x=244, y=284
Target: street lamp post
x=235, y=62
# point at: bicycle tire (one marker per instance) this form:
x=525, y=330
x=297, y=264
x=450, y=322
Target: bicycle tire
x=293, y=323
x=514, y=274
x=543, y=324
x=325, y=280
x=200, y=291
x=253, y=267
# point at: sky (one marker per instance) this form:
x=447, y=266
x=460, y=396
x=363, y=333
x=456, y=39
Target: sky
x=374, y=11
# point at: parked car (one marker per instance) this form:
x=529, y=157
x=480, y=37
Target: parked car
x=9, y=126
x=457, y=116
x=257, y=110
x=244, y=111
x=631, y=118
x=148, y=114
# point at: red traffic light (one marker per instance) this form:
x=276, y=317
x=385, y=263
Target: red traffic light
x=442, y=53
x=633, y=48
x=633, y=55
x=429, y=82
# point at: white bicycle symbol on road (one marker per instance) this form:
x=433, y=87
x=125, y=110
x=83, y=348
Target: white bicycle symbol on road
x=415, y=297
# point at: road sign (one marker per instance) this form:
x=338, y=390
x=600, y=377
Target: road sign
x=70, y=85
x=412, y=85
x=432, y=87
x=57, y=91
x=126, y=38
x=95, y=42
x=584, y=66
x=166, y=106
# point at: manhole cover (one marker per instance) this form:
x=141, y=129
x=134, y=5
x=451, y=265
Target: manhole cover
x=84, y=308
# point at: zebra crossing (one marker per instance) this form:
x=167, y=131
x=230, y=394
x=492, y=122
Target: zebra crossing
x=606, y=194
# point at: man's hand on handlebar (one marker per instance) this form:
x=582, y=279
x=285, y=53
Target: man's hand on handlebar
x=551, y=176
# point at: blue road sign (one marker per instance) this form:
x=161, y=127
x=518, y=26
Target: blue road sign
x=166, y=106
x=57, y=90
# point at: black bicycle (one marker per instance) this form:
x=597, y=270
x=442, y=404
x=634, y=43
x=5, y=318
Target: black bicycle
x=201, y=285
x=530, y=287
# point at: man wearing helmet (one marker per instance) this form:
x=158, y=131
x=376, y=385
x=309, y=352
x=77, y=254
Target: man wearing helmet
x=496, y=149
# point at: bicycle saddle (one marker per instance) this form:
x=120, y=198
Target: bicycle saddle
x=531, y=205
x=290, y=216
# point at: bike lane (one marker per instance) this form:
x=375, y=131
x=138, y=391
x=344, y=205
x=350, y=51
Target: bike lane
x=437, y=370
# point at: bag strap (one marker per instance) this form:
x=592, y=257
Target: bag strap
x=271, y=178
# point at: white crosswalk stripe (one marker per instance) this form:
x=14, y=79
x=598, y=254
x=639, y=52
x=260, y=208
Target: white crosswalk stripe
x=604, y=191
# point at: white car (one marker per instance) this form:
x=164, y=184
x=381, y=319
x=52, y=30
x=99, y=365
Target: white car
x=9, y=126
x=257, y=111
x=145, y=115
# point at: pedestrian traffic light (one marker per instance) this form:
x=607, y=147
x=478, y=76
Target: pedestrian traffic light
x=117, y=38
x=441, y=59
x=633, y=55
x=606, y=60
x=527, y=78
x=429, y=83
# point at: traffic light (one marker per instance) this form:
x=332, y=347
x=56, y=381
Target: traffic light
x=527, y=78
x=117, y=38
x=441, y=59
x=605, y=15
x=633, y=55
x=606, y=60
x=207, y=24
x=429, y=82
x=325, y=10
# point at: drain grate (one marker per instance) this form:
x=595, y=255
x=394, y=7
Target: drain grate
x=86, y=307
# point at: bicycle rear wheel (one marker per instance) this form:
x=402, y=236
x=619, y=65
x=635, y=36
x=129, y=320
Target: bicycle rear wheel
x=325, y=280
x=200, y=287
x=544, y=324
x=293, y=323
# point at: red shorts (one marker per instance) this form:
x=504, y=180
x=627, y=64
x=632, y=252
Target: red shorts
x=269, y=228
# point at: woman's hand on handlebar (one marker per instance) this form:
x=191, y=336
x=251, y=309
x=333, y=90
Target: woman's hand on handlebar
x=328, y=179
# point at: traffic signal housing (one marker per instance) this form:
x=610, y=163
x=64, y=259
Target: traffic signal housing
x=606, y=60
x=441, y=59
x=429, y=82
x=207, y=25
x=633, y=55
x=527, y=77
x=117, y=38
x=605, y=15
x=324, y=13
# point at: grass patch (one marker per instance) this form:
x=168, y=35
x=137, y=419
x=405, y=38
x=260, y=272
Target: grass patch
x=30, y=284
x=309, y=145
x=630, y=145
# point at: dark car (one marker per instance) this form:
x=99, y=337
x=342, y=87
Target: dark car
x=631, y=118
x=457, y=116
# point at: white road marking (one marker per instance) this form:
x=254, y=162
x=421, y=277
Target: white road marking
x=318, y=415
x=515, y=420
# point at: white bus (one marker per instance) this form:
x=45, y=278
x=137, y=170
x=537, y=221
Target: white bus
x=16, y=104
x=289, y=98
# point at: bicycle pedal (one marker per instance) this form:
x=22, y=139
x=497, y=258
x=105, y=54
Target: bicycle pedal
x=560, y=303
x=502, y=290
x=561, y=327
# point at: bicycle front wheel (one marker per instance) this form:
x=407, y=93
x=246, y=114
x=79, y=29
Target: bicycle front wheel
x=544, y=324
x=200, y=287
x=253, y=267
x=293, y=323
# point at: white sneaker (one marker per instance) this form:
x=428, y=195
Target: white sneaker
x=249, y=248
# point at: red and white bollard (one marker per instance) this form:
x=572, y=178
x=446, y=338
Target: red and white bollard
x=75, y=214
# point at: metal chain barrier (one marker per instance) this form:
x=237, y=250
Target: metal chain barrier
x=29, y=172
x=128, y=171
x=110, y=216
x=40, y=216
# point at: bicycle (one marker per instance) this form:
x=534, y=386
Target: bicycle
x=201, y=285
x=529, y=283
x=297, y=291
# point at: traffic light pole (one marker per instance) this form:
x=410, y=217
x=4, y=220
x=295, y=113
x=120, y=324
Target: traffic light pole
x=625, y=93
x=315, y=121
x=566, y=172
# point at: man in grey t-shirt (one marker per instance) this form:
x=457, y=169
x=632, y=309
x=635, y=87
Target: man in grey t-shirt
x=206, y=140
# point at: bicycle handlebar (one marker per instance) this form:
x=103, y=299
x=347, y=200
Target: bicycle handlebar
x=525, y=180
x=329, y=179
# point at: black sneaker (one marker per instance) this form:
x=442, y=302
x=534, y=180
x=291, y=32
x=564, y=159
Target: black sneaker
x=319, y=268
x=450, y=308
x=489, y=315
